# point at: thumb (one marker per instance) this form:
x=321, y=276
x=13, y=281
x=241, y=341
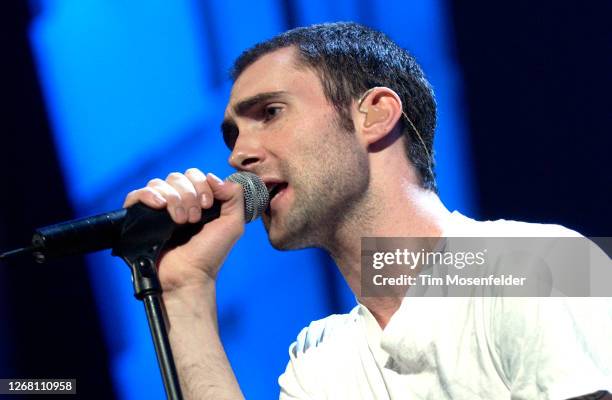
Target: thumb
x=229, y=193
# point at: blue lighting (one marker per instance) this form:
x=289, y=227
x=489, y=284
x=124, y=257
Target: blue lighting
x=137, y=89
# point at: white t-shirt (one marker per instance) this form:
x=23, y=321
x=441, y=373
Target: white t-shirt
x=461, y=347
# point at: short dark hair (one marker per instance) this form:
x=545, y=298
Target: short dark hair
x=351, y=58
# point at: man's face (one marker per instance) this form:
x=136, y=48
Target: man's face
x=282, y=128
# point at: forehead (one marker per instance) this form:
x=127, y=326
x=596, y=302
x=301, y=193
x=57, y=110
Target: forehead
x=277, y=71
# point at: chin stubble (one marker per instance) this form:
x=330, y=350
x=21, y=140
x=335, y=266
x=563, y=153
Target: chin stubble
x=328, y=198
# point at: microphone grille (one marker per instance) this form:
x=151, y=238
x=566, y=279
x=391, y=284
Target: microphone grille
x=256, y=196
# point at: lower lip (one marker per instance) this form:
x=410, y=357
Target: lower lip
x=276, y=199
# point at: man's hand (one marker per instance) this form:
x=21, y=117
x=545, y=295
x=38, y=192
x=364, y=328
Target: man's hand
x=188, y=273
x=184, y=196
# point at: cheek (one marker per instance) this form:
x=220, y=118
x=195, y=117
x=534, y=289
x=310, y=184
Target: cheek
x=311, y=145
x=291, y=144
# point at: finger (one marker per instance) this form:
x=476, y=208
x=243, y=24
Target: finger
x=173, y=200
x=230, y=193
x=147, y=196
x=189, y=205
x=203, y=190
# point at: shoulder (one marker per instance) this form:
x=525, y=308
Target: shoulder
x=323, y=357
x=510, y=228
x=461, y=225
x=334, y=328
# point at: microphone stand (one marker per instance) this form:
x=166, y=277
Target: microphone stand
x=139, y=234
x=140, y=247
x=144, y=234
x=148, y=289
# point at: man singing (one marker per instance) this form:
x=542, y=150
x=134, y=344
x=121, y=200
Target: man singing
x=339, y=123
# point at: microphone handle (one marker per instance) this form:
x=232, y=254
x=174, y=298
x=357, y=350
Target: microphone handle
x=103, y=231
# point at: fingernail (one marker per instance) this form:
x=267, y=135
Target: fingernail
x=194, y=214
x=203, y=200
x=179, y=212
x=215, y=177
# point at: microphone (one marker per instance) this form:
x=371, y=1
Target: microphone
x=104, y=231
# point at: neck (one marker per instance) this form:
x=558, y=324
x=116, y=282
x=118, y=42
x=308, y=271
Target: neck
x=408, y=211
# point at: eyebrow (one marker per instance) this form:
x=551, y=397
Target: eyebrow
x=229, y=129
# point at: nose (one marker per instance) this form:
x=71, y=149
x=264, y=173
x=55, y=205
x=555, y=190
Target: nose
x=247, y=153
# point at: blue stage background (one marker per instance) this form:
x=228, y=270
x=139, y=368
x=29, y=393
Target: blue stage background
x=137, y=89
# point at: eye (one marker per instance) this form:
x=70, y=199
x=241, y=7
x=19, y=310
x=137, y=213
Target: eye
x=271, y=111
x=229, y=130
x=230, y=139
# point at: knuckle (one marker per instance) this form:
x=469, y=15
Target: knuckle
x=138, y=193
x=197, y=179
x=174, y=176
x=149, y=190
x=154, y=182
x=195, y=172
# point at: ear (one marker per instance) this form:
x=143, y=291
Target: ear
x=380, y=108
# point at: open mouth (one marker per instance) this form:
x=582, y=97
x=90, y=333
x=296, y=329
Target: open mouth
x=275, y=189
